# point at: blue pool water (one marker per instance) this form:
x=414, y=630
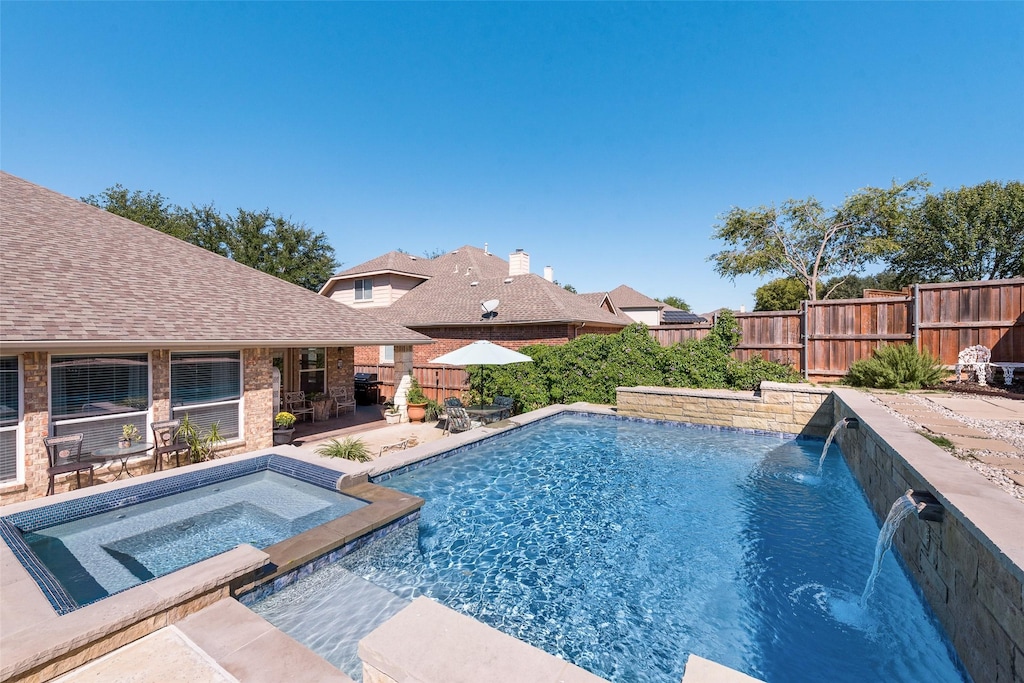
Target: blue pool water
x=102, y=554
x=623, y=546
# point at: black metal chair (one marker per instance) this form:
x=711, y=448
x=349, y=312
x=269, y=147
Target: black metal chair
x=167, y=441
x=506, y=404
x=65, y=454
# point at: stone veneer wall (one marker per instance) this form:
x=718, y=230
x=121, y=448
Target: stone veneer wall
x=969, y=566
x=776, y=407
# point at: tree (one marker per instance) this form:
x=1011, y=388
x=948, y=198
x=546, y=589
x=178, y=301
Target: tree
x=259, y=239
x=853, y=286
x=569, y=288
x=973, y=233
x=781, y=294
x=802, y=239
x=676, y=302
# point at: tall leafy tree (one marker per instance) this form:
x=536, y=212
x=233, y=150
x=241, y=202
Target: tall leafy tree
x=259, y=239
x=802, y=239
x=676, y=302
x=781, y=294
x=973, y=233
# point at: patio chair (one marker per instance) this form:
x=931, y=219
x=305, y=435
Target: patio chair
x=458, y=420
x=65, y=454
x=343, y=402
x=453, y=401
x=977, y=361
x=295, y=403
x=506, y=403
x=167, y=440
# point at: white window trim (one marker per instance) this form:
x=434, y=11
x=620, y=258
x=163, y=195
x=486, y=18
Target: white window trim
x=384, y=355
x=19, y=432
x=148, y=412
x=239, y=401
x=358, y=287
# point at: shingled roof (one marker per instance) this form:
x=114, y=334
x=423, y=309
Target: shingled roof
x=453, y=299
x=75, y=276
x=627, y=297
x=467, y=260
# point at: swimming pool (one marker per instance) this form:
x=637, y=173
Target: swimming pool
x=84, y=550
x=623, y=545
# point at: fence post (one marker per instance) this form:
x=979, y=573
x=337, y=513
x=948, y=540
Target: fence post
x=804, y=354
x=915, y=317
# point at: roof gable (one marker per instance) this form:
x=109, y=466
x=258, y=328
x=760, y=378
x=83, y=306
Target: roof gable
x=627, y=297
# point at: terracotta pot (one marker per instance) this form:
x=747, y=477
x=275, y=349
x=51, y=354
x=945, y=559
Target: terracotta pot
x=417, y=411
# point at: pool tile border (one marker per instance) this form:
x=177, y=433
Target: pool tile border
x=14, y=526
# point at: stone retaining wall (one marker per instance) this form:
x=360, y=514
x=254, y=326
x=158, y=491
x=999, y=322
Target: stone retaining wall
x=776, y=407
x=969, y=566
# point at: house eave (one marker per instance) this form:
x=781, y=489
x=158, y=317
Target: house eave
x=104, y=345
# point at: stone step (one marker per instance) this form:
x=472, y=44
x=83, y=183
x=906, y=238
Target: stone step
x=997, y=461
x=953, y=429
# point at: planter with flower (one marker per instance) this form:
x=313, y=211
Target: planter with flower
x=416, y=402
x=284, y=423
x=129, y=434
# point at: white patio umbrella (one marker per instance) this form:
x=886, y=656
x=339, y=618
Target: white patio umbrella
x=482, y=352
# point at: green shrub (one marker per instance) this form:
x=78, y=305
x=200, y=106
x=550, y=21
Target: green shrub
x=349, y=448
x=896, y=367
x=750, y=373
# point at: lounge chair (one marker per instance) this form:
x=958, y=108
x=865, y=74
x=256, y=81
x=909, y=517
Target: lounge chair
x=458, y=420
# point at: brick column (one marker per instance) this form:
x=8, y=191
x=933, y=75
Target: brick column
x=403, y=379
x=35, y=380
x=160, y=369
x=258, y=383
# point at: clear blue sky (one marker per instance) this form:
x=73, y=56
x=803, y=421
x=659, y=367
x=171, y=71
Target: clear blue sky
x=603, y=139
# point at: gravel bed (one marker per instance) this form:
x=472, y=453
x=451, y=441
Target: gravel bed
x=1010, y=431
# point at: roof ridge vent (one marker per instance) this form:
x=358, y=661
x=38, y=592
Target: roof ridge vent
x=508, y=280
x=474, y=283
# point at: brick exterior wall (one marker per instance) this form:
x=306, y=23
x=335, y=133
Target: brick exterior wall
x=258, y=417
x=511, y=336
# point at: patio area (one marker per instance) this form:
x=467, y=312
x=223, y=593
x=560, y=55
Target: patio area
x=368, y=424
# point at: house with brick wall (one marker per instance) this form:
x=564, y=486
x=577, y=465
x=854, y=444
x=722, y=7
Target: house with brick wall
x=105, y=322
x=463, y=296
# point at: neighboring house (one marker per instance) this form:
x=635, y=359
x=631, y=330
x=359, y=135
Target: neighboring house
x=641, y=308
x=443, y=298
x=105, y=322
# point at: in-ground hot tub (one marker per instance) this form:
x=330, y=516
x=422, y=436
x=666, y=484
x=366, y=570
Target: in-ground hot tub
x=83, y=550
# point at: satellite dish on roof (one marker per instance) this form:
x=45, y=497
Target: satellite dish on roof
x=489, y=306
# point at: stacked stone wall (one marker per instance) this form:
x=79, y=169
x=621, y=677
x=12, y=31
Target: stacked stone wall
x=786, y=408
x=964, y=565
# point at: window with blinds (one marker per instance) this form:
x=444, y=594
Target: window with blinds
x=364, y=289
x=98, y=394
x=10, y=417
x=207, y=386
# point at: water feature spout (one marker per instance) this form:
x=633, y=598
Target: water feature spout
x=902, y=508
x=849, y=423
x=928, y=506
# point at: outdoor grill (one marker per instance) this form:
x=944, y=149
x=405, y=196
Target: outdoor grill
x=366, y=388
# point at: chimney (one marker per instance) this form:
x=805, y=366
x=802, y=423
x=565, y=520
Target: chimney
x=518, y=263
x=549, y=273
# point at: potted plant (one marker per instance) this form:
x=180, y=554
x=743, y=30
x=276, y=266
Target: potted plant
x=129, y=433
x=416, y=402
x=284, y=428
x=392, y=415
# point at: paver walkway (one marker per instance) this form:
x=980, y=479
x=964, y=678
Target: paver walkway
x=969, y=441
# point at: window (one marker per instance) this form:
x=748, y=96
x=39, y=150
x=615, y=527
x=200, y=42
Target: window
x=10, y=417
x=387, y=354
x=207, y=386
x=313, y=371
x=364, y=289
x=98, y=394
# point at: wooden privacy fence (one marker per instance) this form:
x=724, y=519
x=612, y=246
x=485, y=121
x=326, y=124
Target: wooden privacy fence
x=824, y=338
x=437, y=381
